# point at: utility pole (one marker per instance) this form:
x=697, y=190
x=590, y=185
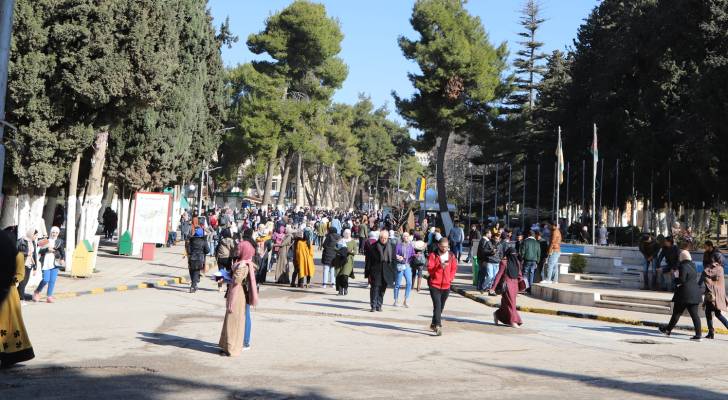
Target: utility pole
x=6, y=28
x=399, y=177
x=508, y=205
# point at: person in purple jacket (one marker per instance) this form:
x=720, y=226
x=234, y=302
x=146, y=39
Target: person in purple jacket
x=404, y=253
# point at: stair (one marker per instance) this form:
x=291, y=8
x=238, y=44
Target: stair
x=637, y=300
x=615, y=281
x=638, y=307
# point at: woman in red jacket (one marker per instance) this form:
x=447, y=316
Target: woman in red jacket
x=442, y=266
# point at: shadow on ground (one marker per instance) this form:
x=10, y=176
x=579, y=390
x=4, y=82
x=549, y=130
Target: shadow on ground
x=119, y=382
x=658, y=390
x=164, y=339
x=387, y=327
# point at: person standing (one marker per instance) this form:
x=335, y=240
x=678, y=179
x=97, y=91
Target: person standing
x=551, y=273
x=197, y=250
x=509, y=273
x=327, y=257
x=473, y=240
x=404, y=253
x=303, y=259
x=321, y=230
x=282, y=242
x=668, y=261
x=544, y=246
x=346, y=255
x=379, y=269
x=442, y=267
x=715, y=301
x=363, y=232
x=52, y=257
x=530, y=254
x=15, y=346
x=233, y=327
x=27, y=247
x=456, y=238
x=649, y=249
x=110, y=220
x=687, y=295
x=603, y=235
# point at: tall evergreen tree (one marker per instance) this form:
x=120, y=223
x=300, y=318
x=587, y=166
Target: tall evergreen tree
x=528, y=62
x=461, y=75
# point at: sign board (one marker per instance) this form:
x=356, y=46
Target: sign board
x=151, y=217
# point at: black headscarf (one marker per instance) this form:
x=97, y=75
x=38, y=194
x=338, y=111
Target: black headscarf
x=514, y=265
x=8, y=252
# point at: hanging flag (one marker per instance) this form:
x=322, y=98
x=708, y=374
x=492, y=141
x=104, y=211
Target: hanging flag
x=560, y=159
x=421, y=188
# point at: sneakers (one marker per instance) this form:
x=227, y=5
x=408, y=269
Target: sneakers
x=395, y=304
x=438, y=331
x=546, y=282
x=324, y=286
x=246, y=348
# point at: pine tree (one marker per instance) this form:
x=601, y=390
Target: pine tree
x=528, y=61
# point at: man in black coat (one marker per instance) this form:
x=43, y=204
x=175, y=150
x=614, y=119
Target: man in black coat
x=327, y=256
x=197, y=248
x=380, y=269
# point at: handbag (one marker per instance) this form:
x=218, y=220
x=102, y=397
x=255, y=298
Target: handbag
x=502, y=287
x=522, y=285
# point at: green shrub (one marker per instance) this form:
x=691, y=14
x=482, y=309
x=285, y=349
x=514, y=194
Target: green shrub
x=577, y=264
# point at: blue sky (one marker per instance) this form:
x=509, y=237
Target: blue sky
x=371, y=28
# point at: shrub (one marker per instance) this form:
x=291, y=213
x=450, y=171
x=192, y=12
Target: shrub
x=577, y=264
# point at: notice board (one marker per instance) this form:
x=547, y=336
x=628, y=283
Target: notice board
x=151, y=217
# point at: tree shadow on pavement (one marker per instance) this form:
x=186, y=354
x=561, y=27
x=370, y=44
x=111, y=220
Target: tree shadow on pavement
x=124, y=383
x=164, y=339
x=387, y=326
x=658, y=390
x=624, y=330
x=332, y=306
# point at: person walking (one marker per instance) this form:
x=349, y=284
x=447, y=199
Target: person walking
x=327, y=257
x=530, y=252
x=404, y=252
x=551, y=273
x=52, y=257
x=442, y=267
x=715, y=301
x=509, y=275
x=250, y=289
x=27, y=247
x=110, y=220
x=345, y=266
x=15, y=346
x=489, y=256
x=363, y=232
x=667, y=261
x=197, y=249
x=321, y=230
x=233, y=327
x=379, y=269
x=418, y=261
x=687, y=295
x=303, y=258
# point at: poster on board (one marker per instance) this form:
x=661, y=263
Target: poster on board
x=150, y=219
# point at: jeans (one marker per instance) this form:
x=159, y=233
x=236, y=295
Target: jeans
x=248, y=326
x=677, y=313
x=407, y=273
x=646, y=284
x=457, y=249
x=49, y=278
x=24, y=283
x=329, y=272
x=666, y=279
x=439, y=297
x=482, y=277
x=709, y=310
x=551, y=272
x=491, y=270
x=376, y=295
x=529, y=271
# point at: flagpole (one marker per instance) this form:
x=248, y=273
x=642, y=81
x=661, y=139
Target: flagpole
x=595, y=158
x=558, y=175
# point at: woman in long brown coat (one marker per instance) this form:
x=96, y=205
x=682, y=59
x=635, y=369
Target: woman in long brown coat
x=715, y=299
x=282, y=260
x=233, y=329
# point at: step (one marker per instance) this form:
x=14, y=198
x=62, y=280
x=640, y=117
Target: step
x=645, y=308
x=635, y=300
x=608, y=280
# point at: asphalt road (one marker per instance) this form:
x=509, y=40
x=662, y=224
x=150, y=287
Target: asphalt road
x=161, y=344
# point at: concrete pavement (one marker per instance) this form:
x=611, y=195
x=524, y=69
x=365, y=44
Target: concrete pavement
x=161, y=344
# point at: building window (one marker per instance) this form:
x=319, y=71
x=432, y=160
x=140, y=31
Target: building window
x=274, y=186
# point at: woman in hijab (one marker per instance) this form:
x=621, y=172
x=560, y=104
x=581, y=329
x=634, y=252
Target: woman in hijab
x=15, y=345
x=282, y=244
x=304, y=258
x=346, y=253
x=27, y=246
x=509, y=273
x=234, y=328
x=715, y=298
x=687, y=295
x=52, y=256
x=197, y=249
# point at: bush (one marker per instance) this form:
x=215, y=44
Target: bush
x=577, y=264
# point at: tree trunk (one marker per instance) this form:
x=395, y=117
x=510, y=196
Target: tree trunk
x=269, y=177
x=109, y=190
x=30, y=211
x=317, y=186
x=10, y=209
x=284, y=181
x=354, y=185
x=299, y=182
x=94, y=191
x=441, y=193
x=71, y=213
x=49, y=211
x=257, y=185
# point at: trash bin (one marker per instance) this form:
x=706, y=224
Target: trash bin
x=125, y=245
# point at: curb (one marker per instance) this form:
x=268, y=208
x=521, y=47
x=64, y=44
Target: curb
x=122, y=288
x=573, y=314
